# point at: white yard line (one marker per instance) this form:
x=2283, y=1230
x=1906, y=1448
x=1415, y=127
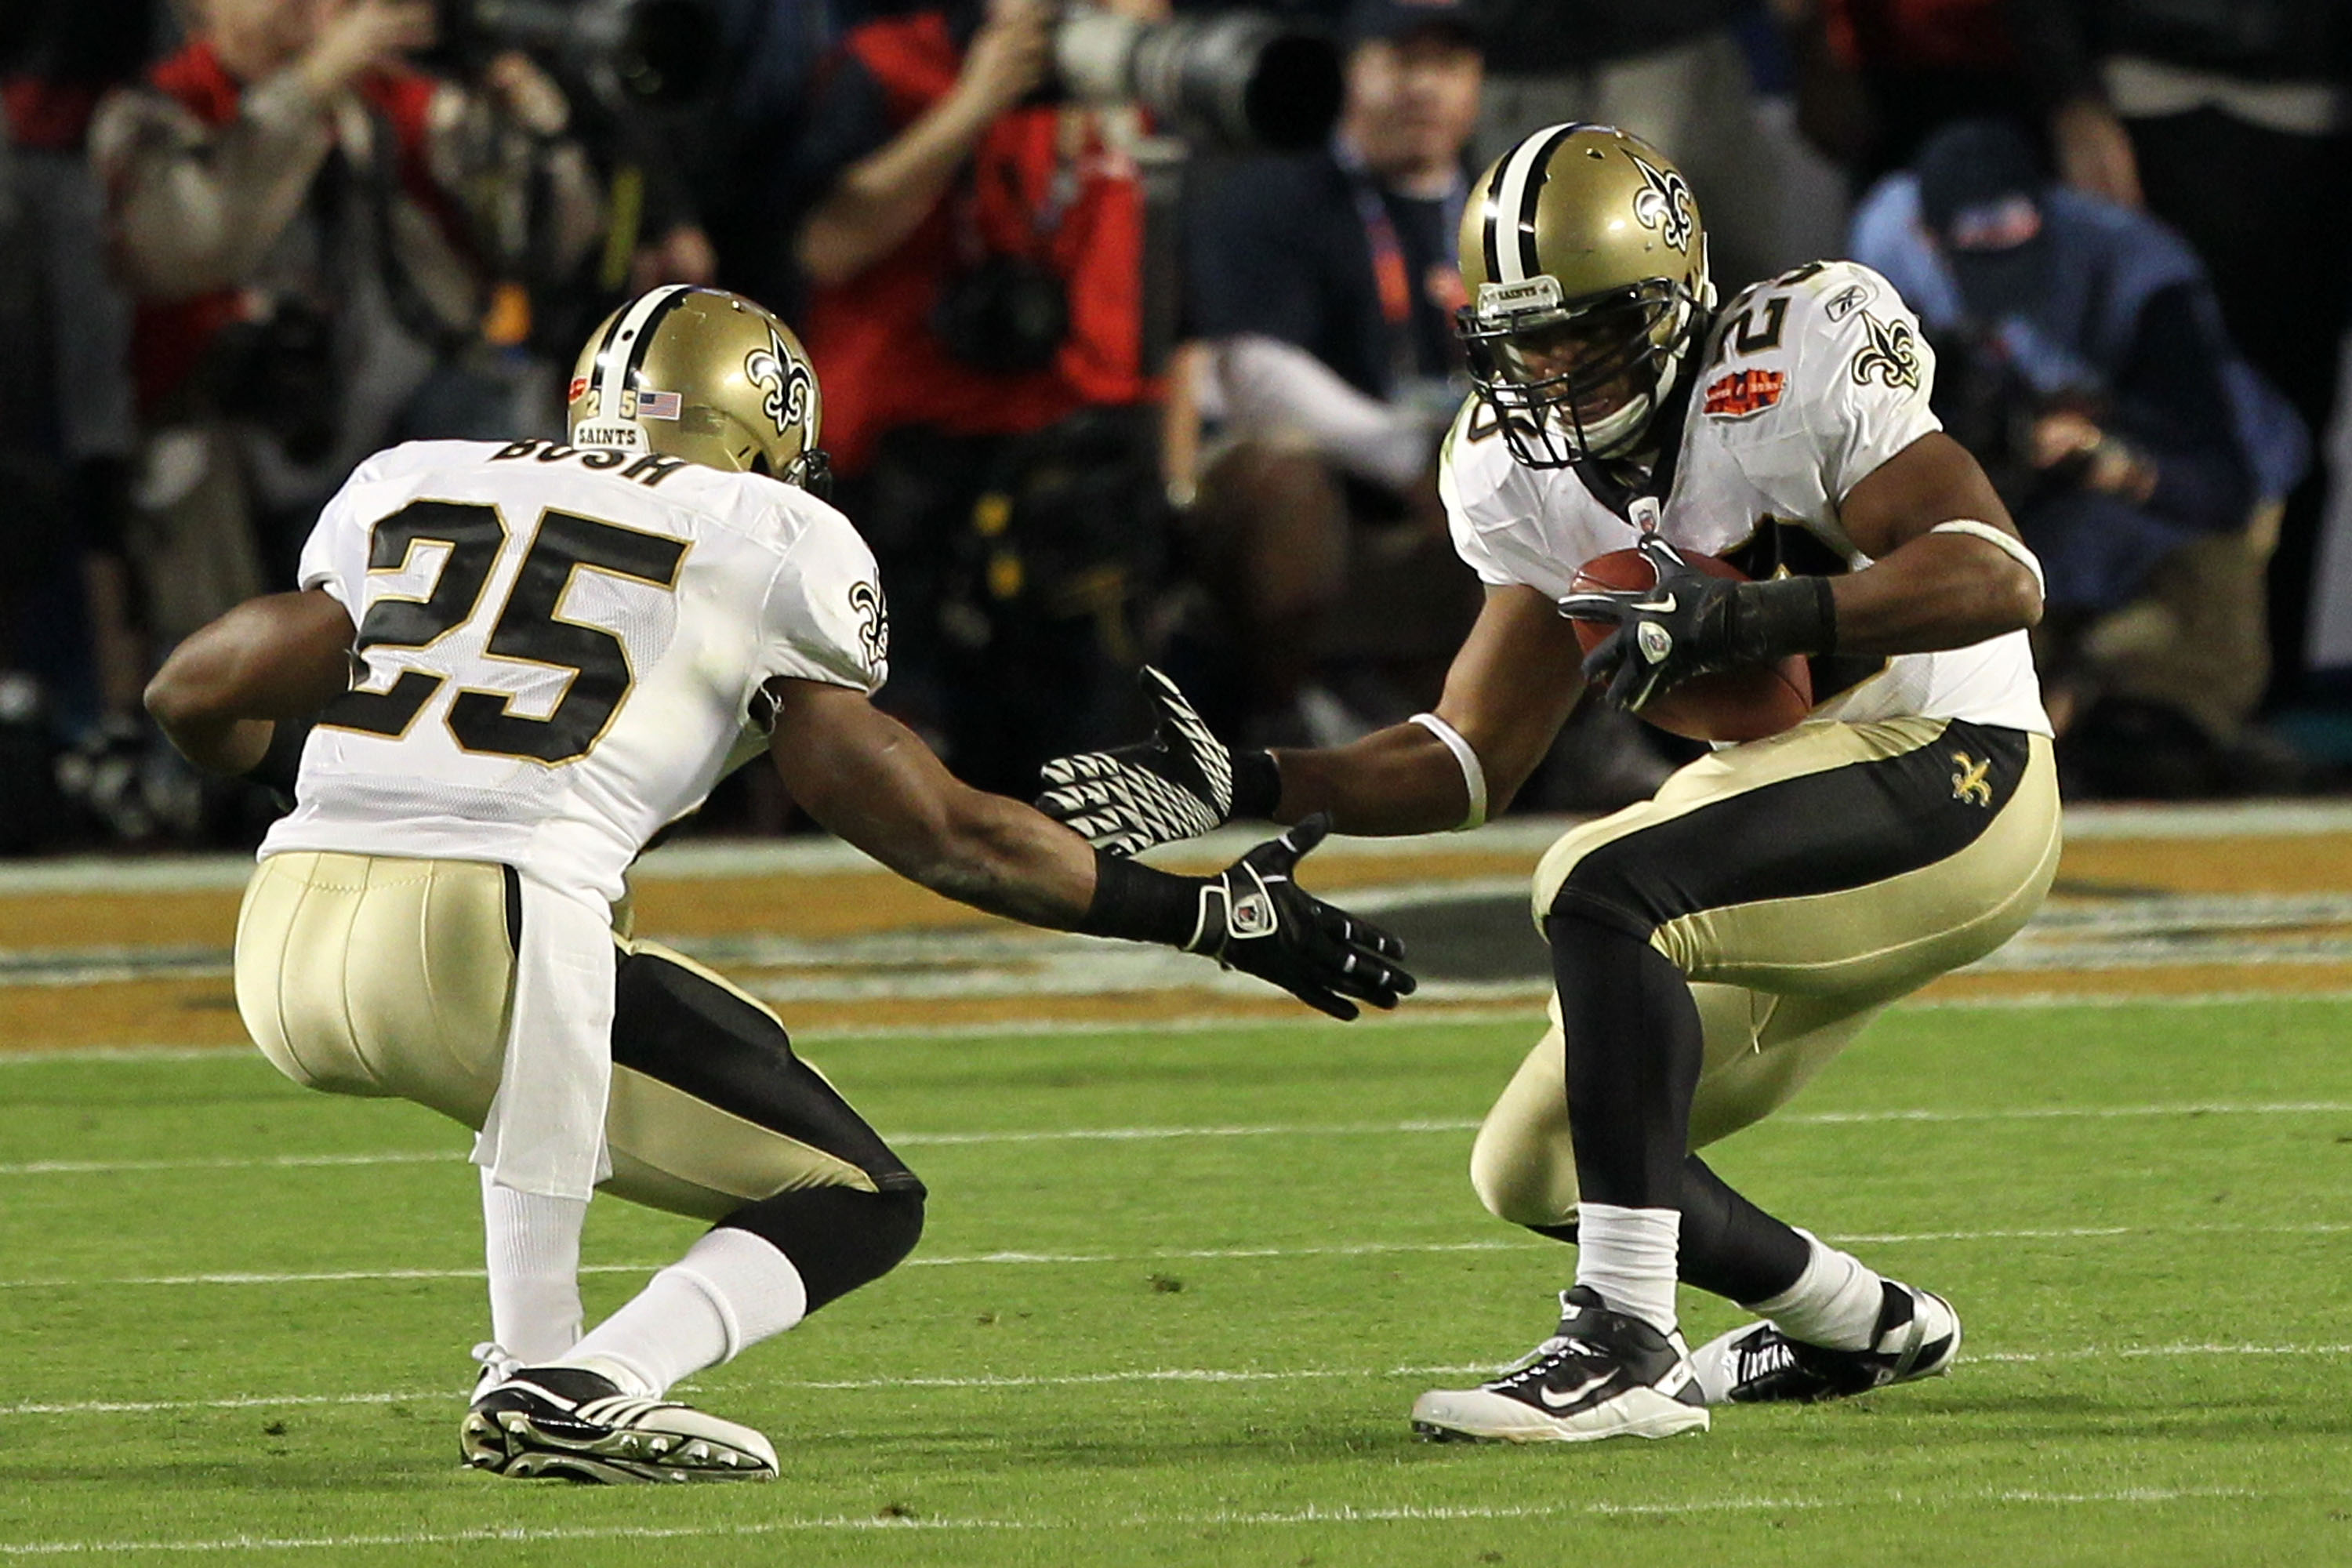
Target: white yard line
x=263, y=1163
x=1207, y=1376
x=1269, y=1130
x=1171, y=1255
x=2138, y=1497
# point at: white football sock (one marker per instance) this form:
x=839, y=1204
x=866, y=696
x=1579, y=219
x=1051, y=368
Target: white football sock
x=531, y=1245
x=1627, y=1256
x=1834, y=1303
x=730, y=1291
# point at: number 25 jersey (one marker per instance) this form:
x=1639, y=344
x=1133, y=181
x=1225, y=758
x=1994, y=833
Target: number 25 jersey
x=563, y=649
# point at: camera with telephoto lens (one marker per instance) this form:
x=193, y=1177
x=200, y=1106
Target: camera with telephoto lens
x=651, y=51
x=1239, y=81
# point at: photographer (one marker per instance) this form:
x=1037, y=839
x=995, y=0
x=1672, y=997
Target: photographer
x=974, y=252
x=2085, y=360
x=1322, y=289
x=68, y=627
x=312, y=231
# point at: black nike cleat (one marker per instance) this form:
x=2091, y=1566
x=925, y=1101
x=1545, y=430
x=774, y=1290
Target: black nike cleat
x=1603, y=1374
x=576, y=1425
x=1917, y=1336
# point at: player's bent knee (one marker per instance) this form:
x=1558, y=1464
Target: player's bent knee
x=1519, y=1181
x=839, y=1237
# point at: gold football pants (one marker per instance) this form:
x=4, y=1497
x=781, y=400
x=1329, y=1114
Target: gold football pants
x=376, y=975
x=1801, y=883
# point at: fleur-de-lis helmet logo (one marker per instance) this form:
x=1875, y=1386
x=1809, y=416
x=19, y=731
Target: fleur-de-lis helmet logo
x=789, y=386
x=1665, y=203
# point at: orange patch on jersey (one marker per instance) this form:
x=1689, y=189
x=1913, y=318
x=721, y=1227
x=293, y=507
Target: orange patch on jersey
x=1745, y=391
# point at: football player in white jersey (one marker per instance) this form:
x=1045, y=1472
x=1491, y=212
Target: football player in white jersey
x=1713, y=946
x=524, y=661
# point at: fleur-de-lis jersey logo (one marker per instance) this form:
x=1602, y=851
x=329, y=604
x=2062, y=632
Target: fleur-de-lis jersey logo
x=1891, y=355
x=1968, y=781
x=873, y=623
x=789, y=388
x=1665, y=203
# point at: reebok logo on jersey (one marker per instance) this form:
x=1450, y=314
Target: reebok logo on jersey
x=1744, y=392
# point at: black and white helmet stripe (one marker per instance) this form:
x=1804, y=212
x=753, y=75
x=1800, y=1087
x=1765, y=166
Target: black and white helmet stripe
x=624, y=348
x=1507, y=221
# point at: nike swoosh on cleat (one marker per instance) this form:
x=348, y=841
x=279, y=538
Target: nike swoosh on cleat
x=1562, y=1401
x=1664, y=605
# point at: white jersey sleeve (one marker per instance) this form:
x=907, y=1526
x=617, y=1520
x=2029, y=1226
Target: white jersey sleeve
x=335, y=556
x=823, y=617
x=1829, y=373
x=1505, y=519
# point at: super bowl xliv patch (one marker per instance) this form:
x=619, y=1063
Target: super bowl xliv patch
x=1744, y=392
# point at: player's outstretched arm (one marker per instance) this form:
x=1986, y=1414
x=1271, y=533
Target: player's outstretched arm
x=283, y=656
x=868, y=778
x=1508, y=692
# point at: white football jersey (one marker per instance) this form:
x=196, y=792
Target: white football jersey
x=1805, y=384
x=563, y=648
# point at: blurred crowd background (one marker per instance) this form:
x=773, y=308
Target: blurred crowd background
x=1135, y=327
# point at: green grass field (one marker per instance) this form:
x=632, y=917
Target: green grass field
x=1178, y=1292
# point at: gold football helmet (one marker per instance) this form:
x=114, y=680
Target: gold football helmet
x=1585, y=261
x=705, y=375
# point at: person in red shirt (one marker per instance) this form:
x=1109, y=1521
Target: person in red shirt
x=974, y=255
x=289, y=206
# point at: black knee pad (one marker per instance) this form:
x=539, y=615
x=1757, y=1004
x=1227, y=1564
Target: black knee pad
x=839, y=1237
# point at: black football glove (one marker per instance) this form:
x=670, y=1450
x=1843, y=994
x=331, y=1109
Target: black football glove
x=1178, y=784
x=1255, y=918
x=1693, y=623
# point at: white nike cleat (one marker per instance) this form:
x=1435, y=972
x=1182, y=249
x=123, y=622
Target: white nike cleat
x=568, y=1422
x=1917, y=1335
x=1603, y=1374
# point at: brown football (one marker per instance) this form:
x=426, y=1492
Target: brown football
x=1729, y=705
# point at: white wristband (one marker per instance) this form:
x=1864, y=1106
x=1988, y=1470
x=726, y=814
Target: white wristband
x=2008, y=543
x=1473, y=777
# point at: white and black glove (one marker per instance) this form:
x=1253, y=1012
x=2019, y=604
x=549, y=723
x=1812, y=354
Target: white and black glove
x=1694, y=623
x=1178, y=785
x=1254, y=917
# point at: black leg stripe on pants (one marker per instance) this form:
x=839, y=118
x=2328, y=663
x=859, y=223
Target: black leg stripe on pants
x=1820, y=833
x=676, y=1026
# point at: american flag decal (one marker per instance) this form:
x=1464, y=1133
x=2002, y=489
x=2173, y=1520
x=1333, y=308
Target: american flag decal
x=657, y=404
